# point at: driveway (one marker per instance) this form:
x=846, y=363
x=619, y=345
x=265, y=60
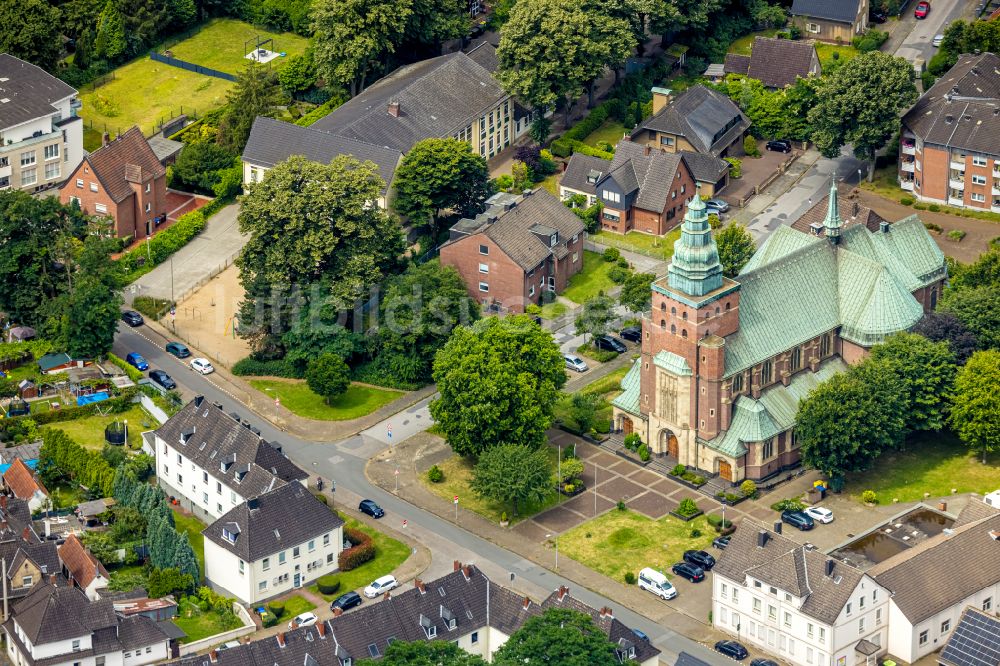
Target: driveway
x=755, y=171
x=207, y=253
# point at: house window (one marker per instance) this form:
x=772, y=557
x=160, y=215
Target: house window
x=768, y=449
x=735, y=596
x=737, y=383
x=725, y=590
x=295, y=553
x=76, y=645
x=878, y=616
x=531, y=291
x=484, y=268
x=809, y=630
x=484, y=287
x=772, y=612
x=329, y=558
x=218, y=507
x=93, y=187
x=149, y=206
x=27, y=581
x=861, y=603
x=52, y=152
x=756, y=606
x=979, y=180
x=978, y=196
x=849, y=607
x=788, y=619
x=218, y=487
x=180, y=478
x=474, y=637
x=28, y=158
x=613, y=197
x=484, y=249
x=946, y=626
x=822, y=635
x=987, y=603
x=242, y=567
x=813, y=28
x=204, y=499
x=29, y=177
x=204, y=477
x=79, y=183
x=148, y=187
x=765, y=373
x=261, y=586
x=923, y=637
x=267, y=563
x=312, y=545
x=824, y=346
x=52, y=171
x=666, y=140
x=281, y=557
x=861, y=625
x=326, y=539
x=101, y=208
x=796, y=358
x=978, y=160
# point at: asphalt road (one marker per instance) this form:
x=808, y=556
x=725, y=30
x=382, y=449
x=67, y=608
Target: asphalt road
x=918, y=43
x=345, y=463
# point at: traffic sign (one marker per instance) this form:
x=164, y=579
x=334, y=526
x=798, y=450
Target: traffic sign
x=404, y=523
x=456, y=499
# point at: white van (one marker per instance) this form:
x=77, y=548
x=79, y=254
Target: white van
x=655, y=582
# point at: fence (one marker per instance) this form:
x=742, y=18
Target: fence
x=190, y=66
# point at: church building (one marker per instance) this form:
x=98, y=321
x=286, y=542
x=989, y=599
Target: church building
x=725, y=361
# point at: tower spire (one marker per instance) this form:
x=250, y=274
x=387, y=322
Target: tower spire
x=833, y=223
x=695, y=269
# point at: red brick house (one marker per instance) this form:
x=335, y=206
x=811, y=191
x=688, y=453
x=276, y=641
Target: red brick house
x=521, y=247
x=124, y=180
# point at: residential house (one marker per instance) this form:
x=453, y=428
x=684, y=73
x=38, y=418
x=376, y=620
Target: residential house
x=55, y=362
x=975, y=640
x=448, y=96
x=795, y=602
x=642, y=189
x=725, y=361
x=273, y=543
x=15, y=521
x=211, y=463
x=81, y=568
x=519, y=248
x=463, y=607
x=27, y=452
x=273, y=141
x=41, y=135
x=22, y=482
x=837, y=21
x=777, y=63
x=948, y=151
x=58, y=625
x=700, y=119
x=28, y=564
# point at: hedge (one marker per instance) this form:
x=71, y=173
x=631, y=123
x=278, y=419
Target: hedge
x=88, y=468
x=328, y=584
x=148, y=255
x=133, y=374
x=15, y=351
x=594, y=119
x=154, y=308
x=121, y=403
x=252, y=367
x=563, y=147
x=362, y=550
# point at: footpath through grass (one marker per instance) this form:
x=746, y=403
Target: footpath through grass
x=592, y=279
x=389, y=554
x=931, y=463
x=295, y=395
x=626, y=541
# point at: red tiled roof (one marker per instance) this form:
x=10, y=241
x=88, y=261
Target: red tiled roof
x=21, y=480
x=127, y=159
x=82, y=566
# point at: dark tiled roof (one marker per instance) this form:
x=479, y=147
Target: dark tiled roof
x=15, y=521
x=852, y=211
x=736, y=63
x=485, y=54
x=126, y=159
x=705, y=168
x=698, y=114
x=24, y=452
x=214, y=438
x=48, y=614
x=922, y=579
x=164, y=148
x=274, y=521
x=21, y=480
x=272, y=141
x=789, y=566
x=83, y=567
x=654, y=172
x=43, y=555
x=961, y=110
x=975, y=641
x=842, y=11
x=617, y=632
x=139, y=631
x=579, y=169
x=305, y=646
x=437, y=98
x=779, y=62
x=31, y=91
x=685, y=659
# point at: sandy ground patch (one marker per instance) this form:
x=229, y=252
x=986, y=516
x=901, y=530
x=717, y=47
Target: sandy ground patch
x=205, y=318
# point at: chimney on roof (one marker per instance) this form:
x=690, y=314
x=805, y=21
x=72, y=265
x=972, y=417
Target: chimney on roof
x=419, y=584
x=457, y=565
x=526, y=604
x=762, y=538
x=661, y=98
x=394, y=109
x=527, y=192
x=338, y=611
x=467, y=572
x=563, y=591
x=281, y=639
x=777, y=527
x=321, y=628
x=3, y=501
x=387, y=596
x=828, y=566
x=606, y=614
x=53, y=579
x=213, y=656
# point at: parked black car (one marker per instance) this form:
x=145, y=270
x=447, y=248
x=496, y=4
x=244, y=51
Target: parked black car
x=610, y=343
x=699, y=558
x=780, y=145
x=798, y=519
x=346, y=601
x=693, y=573
x=371, y=508
x=763, y=662
x=631, y=333
x=132, y=318
x=878, y=16
x=178, y=350
x=721, y=542
x=732, y=649
x=163, y=379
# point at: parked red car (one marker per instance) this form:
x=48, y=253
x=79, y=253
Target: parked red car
x=922, y=9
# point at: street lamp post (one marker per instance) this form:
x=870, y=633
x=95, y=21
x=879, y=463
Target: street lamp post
x=555, y=539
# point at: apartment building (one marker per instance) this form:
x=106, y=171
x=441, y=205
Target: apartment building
x=41, y=137
x=949, y=152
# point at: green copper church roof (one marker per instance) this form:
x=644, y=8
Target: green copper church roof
x=695, y=269
x=629, y=399
x=673, y=363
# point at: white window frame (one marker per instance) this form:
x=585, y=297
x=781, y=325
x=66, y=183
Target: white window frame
x=28, y=158
x=29, y=176
x=484, y=287
x=484, y=269
x=47, y=156
x=814, y=28
x=100, y=208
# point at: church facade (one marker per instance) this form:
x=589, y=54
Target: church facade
x=725, y=361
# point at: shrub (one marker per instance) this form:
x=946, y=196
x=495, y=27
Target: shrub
x=362, y=550
x=790, y=504
x=737, y=167
x=271, y=368
x=687, y=507
x=269, y=620
x=678, y=470
x=605, y=146
x=956, y=235
x=130, y=371
x=321, y=497
x=618, y=275
x=328, y=584
x=632, y=440
x=730, y=497
x=716, y=521
x=930, y=226
x=934, y=208
x=713, y=221
x=870, y=41
x=750, y=146
x=435, y=475
x=869, y=497
x=154, y=308
x=137, y=262
x=503, y=516
x=920, y=206
x=621, y=505
x=644, y=453
x=748, y=488
x=623, y=262
x=594, y=119
x=611, y=254
x=698, y=480
x=276, y=608
x=504, y=182
x=906, y=201
x=629, y=578
x=695, y=533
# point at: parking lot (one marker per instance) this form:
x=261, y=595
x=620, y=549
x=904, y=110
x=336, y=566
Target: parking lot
x=755, y=171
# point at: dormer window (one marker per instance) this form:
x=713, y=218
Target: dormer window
x=229, y=535
x=430, y=629
x=553, y=239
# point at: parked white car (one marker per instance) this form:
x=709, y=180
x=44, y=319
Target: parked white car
x=575, y=363
x=937, y=40
x=819, y=514
x=381, y=586
x=303, y=620
x=653, y=581
x=202, y=365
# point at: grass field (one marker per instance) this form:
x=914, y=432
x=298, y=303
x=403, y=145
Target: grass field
x=199, y=624
x=295, y=605
x=607, y=387
x=610, y=131
x=744, y=45
x=660, y=247
x=145, y=93
x=621, y=541
x=591, y=279
x=825, y=52
x=931, y=462
x=457, y=475
x=89, y=432
x=358, y=400
x=193, y=527
x=389, y=554
x=553, y=310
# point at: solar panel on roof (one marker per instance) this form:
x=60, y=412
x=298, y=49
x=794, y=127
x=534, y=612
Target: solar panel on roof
x=975, y=641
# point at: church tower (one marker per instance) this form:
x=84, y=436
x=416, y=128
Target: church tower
x=832, y=224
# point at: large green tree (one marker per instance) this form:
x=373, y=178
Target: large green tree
x=512, y=474
x=558, y=636
x=90, y=310
x=926, y=371
x=736, y=246
x=425, y=653
x=435, y=21
x=596, y=317
x=31, y=32
x=353, y=38
x=848, y=420
x=440, y=174
x=110, y=42
x=860, y=104
x=256, y=93
x=328, y=376
x=499, y=380
x=946, y=327
x=636, y=292
x=978, y=309
x=199, y=164
x=976, y=412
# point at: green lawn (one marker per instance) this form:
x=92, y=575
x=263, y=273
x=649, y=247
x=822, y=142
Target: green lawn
x=886, y=185
x=661, y=247
x=145, y=93
x=64, y=496
x=744, y=45
x=931, y=462
x=357, y=401
x=457, y=475
x=89, y=432
x=551, y=183
x=825, y=52
x=295, y=605
x=592, y=279
x=553, y=310
x=198, y=624
x=193, y=527
x=610, y=131
x=607, y=387
x=621, y=541
x=389, y=554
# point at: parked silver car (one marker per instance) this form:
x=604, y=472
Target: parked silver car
x=575, y=363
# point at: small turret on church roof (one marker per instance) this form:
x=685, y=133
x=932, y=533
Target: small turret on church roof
x=695, y=269
x=833, y=223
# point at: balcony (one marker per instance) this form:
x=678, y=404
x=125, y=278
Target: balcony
x=996, y=187
x=953, y=201
x=5, y=171
x=907, y=167
x=996, y=168
x=957, y=166
x=908, y=149
x=956, y=184
x=906, y=185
